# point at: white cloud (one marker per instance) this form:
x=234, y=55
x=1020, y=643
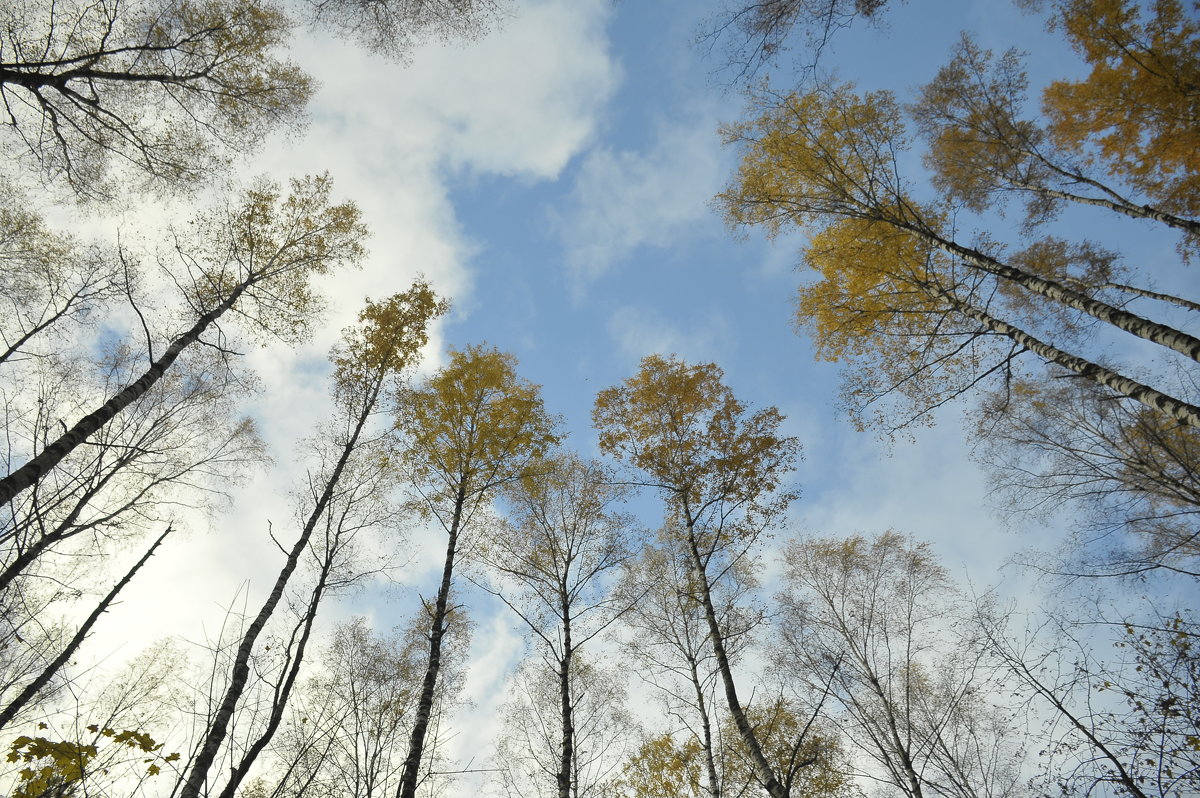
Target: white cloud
x=627, y=199
x=494, y=653
x=928, y=488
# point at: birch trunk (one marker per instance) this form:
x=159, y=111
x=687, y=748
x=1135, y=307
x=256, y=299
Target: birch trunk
x=1181, y=411
x=1162, y=334
x=762, y=768
x=28, y=475
x=710, y=764
x=564, y=693
x=437, y=630
x=284, y=691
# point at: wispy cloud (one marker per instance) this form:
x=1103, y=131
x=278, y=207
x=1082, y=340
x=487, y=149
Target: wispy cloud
x=639, y=332
x=626, y=199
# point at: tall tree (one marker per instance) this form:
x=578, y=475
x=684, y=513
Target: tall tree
x=1135, y=112
x=719, y=469
x=469, y=430
x=986, y=148
x=671, y=647
x=256, y=260
x=556, y=561
x=529, y=751
x=366, y=367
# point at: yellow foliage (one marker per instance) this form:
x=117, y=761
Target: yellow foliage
x=875, y=294
x=685, y=429
x=475, y=424
x=1138, y=110
x=809, y=156
x=388, y=338
x=57, y=765
x=814, y=760
x=269, y=248
x=664, y=768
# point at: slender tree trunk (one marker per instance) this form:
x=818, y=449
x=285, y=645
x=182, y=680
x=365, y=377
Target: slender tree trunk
x=48, y=672
x=1174, y=300
x=61, y=532
x=762, y=768
x=437, y=630
x=37, y=328
x=27, y=475
x=893, y=728
x=564, y=693
x=1181, y=411
x=710, y=762
x=240, y=674
x=1121, y=206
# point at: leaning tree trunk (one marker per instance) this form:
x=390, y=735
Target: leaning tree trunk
x=437, y=631
x=1181, y=411
x=283, y=692
x=28, y=475
x=48, y=672
x=1162, y=334
x=762, y=768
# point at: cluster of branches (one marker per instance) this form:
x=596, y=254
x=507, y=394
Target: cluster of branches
x=100, y=98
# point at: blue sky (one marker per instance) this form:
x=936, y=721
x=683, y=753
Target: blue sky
x=554, y=180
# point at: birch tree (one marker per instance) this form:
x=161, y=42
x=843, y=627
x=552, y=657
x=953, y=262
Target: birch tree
x=670, y=644
x=719, y=469
x=472, y=428
x=556, y=560
x=529, y=752
x=167, y=89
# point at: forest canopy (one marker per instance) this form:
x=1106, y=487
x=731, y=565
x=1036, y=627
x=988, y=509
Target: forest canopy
x=240, y=398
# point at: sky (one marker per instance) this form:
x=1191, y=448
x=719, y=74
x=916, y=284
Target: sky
x=555, y=180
